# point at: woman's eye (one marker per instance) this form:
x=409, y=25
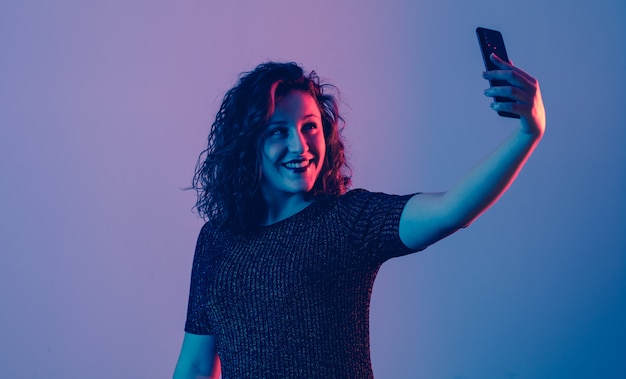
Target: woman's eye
x=310, y=126
x=277, y=132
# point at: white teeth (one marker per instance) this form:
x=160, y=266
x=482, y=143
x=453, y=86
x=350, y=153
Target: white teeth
x=302, y=164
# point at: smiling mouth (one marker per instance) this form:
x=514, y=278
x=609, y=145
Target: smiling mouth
x=298, y=166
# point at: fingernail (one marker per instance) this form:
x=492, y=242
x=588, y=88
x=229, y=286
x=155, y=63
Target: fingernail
x=484, y=74
x=487, y=91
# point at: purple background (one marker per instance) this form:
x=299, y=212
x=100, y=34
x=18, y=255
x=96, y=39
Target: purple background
x=104, y=107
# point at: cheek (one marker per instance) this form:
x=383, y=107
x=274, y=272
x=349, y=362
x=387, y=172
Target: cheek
x=265, y=162
x=322, y=147
x=269, y=152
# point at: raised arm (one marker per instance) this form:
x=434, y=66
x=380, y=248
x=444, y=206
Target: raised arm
x=198, y=358
x=430, y=217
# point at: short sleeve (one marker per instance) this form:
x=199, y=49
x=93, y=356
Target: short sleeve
x=197, y=322
x=375, y=219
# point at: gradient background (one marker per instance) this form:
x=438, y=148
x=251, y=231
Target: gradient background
x=104, y=107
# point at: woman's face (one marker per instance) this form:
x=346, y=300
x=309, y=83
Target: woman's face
x=293, y=147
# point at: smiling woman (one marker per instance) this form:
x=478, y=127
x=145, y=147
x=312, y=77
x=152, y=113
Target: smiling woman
x=285, y=265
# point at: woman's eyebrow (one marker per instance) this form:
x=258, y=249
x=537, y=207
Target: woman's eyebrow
x=311, y=115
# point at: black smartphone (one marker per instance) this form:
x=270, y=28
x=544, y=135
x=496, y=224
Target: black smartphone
x=491, y=41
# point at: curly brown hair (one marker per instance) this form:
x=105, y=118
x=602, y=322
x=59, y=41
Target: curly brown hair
x=228, y=172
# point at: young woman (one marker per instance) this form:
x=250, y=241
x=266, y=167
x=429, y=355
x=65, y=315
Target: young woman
x=285, y=265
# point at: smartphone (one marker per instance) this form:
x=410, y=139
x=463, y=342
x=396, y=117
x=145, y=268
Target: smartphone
x=491, y=41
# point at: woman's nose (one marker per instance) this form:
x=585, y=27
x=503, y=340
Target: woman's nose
x=297, y=143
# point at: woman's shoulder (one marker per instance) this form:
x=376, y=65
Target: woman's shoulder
x=209, y=228
x=210, y=231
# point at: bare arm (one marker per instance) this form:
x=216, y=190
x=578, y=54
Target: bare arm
x=198, y=358
x=429, y=217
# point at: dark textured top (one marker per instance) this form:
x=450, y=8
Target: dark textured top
x=292, y=299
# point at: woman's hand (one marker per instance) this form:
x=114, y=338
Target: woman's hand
x=524, y=90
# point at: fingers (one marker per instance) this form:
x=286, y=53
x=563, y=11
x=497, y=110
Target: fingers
x=516, y=108
x=509, y=99
x=515, y=77
x=520, y=103
x=500, y=62
x=513, y=93
x=503, y=65
x=519, y=85
x=511, y=82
